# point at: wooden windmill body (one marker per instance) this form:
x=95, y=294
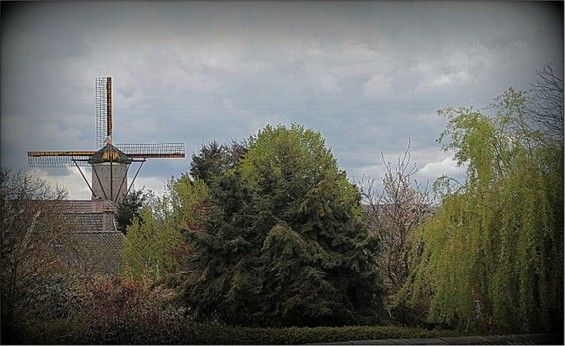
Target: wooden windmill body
x=110, y=164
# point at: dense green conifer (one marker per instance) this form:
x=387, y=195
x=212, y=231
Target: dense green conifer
x=285, y=243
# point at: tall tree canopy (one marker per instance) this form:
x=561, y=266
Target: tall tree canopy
x=285, y=243
x=150, y=241
x=215, y=159
x=492, y=257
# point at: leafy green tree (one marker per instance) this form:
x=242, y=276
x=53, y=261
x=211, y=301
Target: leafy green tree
x=145, y=250
x=492, y=257
x=189, y=202
x=285, y=242
x=129, y=209
x=155, y=243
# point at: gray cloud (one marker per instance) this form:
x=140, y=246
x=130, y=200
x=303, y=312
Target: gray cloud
x=367, y=75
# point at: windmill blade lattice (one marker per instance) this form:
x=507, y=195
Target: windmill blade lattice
x=59, y=158
x=103, y=110
x=156, y=150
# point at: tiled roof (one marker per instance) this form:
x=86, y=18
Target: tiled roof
x=96, y=243
x=99, y=252
x=86, y=222
x=85, y=206
x=90, y=216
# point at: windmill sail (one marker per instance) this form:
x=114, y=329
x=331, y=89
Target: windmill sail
x=58, y=158
x=154, y=150
x=103, y=111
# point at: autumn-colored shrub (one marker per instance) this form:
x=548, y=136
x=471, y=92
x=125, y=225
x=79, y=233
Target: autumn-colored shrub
x=120, y=311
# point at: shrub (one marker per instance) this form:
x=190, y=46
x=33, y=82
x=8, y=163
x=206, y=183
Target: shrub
x=179, y=332
x=208, y=335
x=119, y=311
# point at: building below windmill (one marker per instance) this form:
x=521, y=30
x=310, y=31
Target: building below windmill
x=95, y=246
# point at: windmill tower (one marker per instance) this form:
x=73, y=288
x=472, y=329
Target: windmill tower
x=111, y=162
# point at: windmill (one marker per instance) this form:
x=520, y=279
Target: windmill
x=110, y=163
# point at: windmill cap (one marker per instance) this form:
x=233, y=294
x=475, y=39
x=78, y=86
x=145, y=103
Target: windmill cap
x=109, y=153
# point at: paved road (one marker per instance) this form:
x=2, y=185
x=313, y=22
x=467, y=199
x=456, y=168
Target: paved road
x=523, y=339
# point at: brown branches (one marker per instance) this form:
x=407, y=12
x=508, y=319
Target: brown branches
x=393, y=213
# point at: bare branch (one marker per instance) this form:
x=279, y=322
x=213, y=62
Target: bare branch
x=393, y=213
x=547, y=102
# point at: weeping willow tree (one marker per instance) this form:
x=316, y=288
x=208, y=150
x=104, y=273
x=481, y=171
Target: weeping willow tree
x=492, y=256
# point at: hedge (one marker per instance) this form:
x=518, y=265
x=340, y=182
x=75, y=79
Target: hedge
x=61, y=332
x=207, y=335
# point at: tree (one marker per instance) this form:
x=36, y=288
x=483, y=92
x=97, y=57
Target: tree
x=189, y=200
x=392, y=214
x=285, y=243
x=33, y=231
x=129, y=209
x=214, y=160
x=492, y=256
x=154, y=244
x=146, y=247
x=546, y=108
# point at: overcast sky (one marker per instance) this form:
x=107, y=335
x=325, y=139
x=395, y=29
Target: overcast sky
x=367, y=75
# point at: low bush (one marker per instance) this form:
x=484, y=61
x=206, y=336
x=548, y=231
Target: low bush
x=120, y=311
x=208, y=335
x=145, y=332
x=47, y=298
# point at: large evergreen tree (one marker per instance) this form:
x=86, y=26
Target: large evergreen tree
x=285, y=243
x=214, y=160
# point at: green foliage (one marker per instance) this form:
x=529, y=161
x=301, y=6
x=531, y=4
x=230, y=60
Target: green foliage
x=222, y=335
x=154, y=244
x=214, y=160
x=129, y=209
x=492, y=257
x=284, y=243
x=146, y=249
x=189, y=201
